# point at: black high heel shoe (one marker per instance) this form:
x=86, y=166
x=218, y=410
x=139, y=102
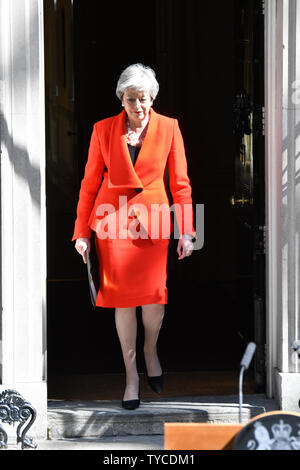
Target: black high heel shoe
x=131, y=404
x=156, y=383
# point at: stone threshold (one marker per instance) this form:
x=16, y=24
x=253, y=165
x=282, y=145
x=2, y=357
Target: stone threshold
x=103, y=418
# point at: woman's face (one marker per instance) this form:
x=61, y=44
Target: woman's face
x=137, y=104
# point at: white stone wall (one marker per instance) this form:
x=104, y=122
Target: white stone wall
x=23, y=211
x=283, y=198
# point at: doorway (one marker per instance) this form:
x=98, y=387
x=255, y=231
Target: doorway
x=203, y=61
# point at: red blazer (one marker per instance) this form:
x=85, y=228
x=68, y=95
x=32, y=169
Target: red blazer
x=109, y=173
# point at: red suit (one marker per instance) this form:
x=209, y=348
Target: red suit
x=115, y=193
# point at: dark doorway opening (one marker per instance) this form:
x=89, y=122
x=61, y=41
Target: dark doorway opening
x=201, y=59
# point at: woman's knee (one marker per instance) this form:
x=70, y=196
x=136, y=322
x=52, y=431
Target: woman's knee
x=153, y=308
x=153, y=312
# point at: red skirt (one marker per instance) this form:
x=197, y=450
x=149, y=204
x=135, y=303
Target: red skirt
x=132, y=272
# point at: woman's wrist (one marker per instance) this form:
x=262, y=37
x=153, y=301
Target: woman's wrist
x=187, y=236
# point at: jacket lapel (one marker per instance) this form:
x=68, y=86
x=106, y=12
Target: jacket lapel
x=122, y=172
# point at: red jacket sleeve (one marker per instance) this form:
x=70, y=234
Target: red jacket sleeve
x=89, y=187
x=180, y=184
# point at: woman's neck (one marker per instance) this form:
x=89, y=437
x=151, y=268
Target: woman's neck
x=138, y=126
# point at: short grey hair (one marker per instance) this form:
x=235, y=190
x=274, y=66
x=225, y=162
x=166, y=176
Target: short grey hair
x=140, y=77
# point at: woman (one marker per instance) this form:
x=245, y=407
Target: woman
x=122, y=189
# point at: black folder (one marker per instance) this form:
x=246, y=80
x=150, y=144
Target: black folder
x=93, y=270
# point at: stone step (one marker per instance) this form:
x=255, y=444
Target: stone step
x=111, y=443
x=103, y=418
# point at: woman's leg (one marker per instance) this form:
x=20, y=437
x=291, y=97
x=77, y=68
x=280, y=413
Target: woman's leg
x=152, y=317
x=126, y=324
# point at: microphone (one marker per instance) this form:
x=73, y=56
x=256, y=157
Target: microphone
x=244, y=364
x=248, y=355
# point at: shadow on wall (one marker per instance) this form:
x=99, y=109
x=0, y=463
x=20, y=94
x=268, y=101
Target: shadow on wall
x=21, y=164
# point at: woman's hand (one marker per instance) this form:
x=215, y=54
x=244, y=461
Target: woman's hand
x=81, y=245
x=185, y=246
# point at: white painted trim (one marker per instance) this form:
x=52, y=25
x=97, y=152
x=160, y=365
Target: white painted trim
x=42, y=131
x=273, y=179
x=287, y=390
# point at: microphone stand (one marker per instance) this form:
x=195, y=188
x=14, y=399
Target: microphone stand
x=244, y=364
x=242, y=370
